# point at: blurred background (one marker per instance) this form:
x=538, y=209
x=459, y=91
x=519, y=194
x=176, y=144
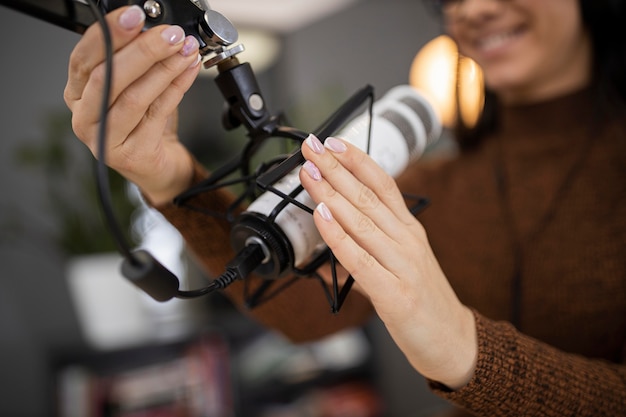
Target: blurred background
x=76, y=339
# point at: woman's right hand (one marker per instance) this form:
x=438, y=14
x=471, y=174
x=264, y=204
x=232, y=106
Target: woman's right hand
x=152, y=70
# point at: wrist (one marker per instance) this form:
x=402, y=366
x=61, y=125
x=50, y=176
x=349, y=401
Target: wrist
x=467, y=353
x=161, y=192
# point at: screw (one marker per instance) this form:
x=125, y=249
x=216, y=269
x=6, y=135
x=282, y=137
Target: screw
x=152, y=8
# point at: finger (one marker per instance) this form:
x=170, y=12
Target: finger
x=124, y=23
x=363, y=167
x=375, y=228
x=377, y=202
x=384, y=279
x=136, y=83
x=154, y=96
x=139, y=117
x=340, y=179
x=364, y=268
x=150, y=123
x=150, y=53
x=362, y=229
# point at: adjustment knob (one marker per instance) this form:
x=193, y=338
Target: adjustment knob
x=217, y=31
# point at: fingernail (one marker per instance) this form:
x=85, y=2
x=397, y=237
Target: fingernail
x=173, y=35
x=190, y=46
x=313, y=171
x=335, y=145
x=132, y=17
x=315, y=144
x=196, y=62
x=323, y=210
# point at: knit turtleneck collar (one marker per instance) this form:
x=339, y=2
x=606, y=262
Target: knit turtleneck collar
x=557, y=118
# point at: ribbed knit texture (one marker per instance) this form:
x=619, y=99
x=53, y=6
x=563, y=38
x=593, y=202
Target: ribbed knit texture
x=567, y=357
x=573, y=264
x=520, y=376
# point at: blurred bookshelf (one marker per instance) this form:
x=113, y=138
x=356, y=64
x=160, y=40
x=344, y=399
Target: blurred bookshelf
x=185, y=379
x=231, y=367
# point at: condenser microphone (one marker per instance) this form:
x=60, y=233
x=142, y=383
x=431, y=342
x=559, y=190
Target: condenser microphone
x=403, y=126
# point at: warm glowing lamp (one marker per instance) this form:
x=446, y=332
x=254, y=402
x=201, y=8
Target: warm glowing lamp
x=453, y=83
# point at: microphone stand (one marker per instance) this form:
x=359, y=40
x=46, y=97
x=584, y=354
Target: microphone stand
x=246, y=107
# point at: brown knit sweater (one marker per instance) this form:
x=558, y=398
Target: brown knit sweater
x=530, y=228
x=536, y=217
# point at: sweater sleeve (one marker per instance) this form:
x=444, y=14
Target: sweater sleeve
x=205, y=233
x=300, y=312
x=517, y=375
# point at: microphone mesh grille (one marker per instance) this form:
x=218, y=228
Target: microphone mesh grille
x=421, y=109
x=403, y=125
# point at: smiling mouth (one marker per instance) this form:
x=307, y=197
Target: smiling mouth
x=498, y=40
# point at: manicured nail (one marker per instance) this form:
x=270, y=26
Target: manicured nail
x=335, y=145
x=190, y=46
x=132, y=17
x=173, y=35
x=315, y=144
x=196, y=62
x=323, y=210
x=313, y=171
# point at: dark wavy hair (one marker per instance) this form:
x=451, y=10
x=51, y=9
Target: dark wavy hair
x=606, y=22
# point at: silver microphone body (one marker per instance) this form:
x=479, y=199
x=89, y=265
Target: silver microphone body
x=403, y=126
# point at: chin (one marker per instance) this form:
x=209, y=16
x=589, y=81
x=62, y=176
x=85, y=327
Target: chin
x=503, y=82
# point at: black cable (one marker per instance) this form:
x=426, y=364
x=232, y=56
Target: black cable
x=141, y=267
x=246, y=261
x=102, y=174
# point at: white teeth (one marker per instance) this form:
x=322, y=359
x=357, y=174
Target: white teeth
x=494, y=41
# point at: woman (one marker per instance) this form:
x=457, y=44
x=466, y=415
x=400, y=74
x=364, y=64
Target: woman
x=512, y=221
x=518, y=308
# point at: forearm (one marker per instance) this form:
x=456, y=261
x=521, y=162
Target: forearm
x=519, y=376
x=301, y=312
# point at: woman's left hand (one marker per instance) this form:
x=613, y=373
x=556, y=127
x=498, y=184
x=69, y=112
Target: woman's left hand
x=364, y=220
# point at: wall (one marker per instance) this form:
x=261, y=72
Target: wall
x=35, y=309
